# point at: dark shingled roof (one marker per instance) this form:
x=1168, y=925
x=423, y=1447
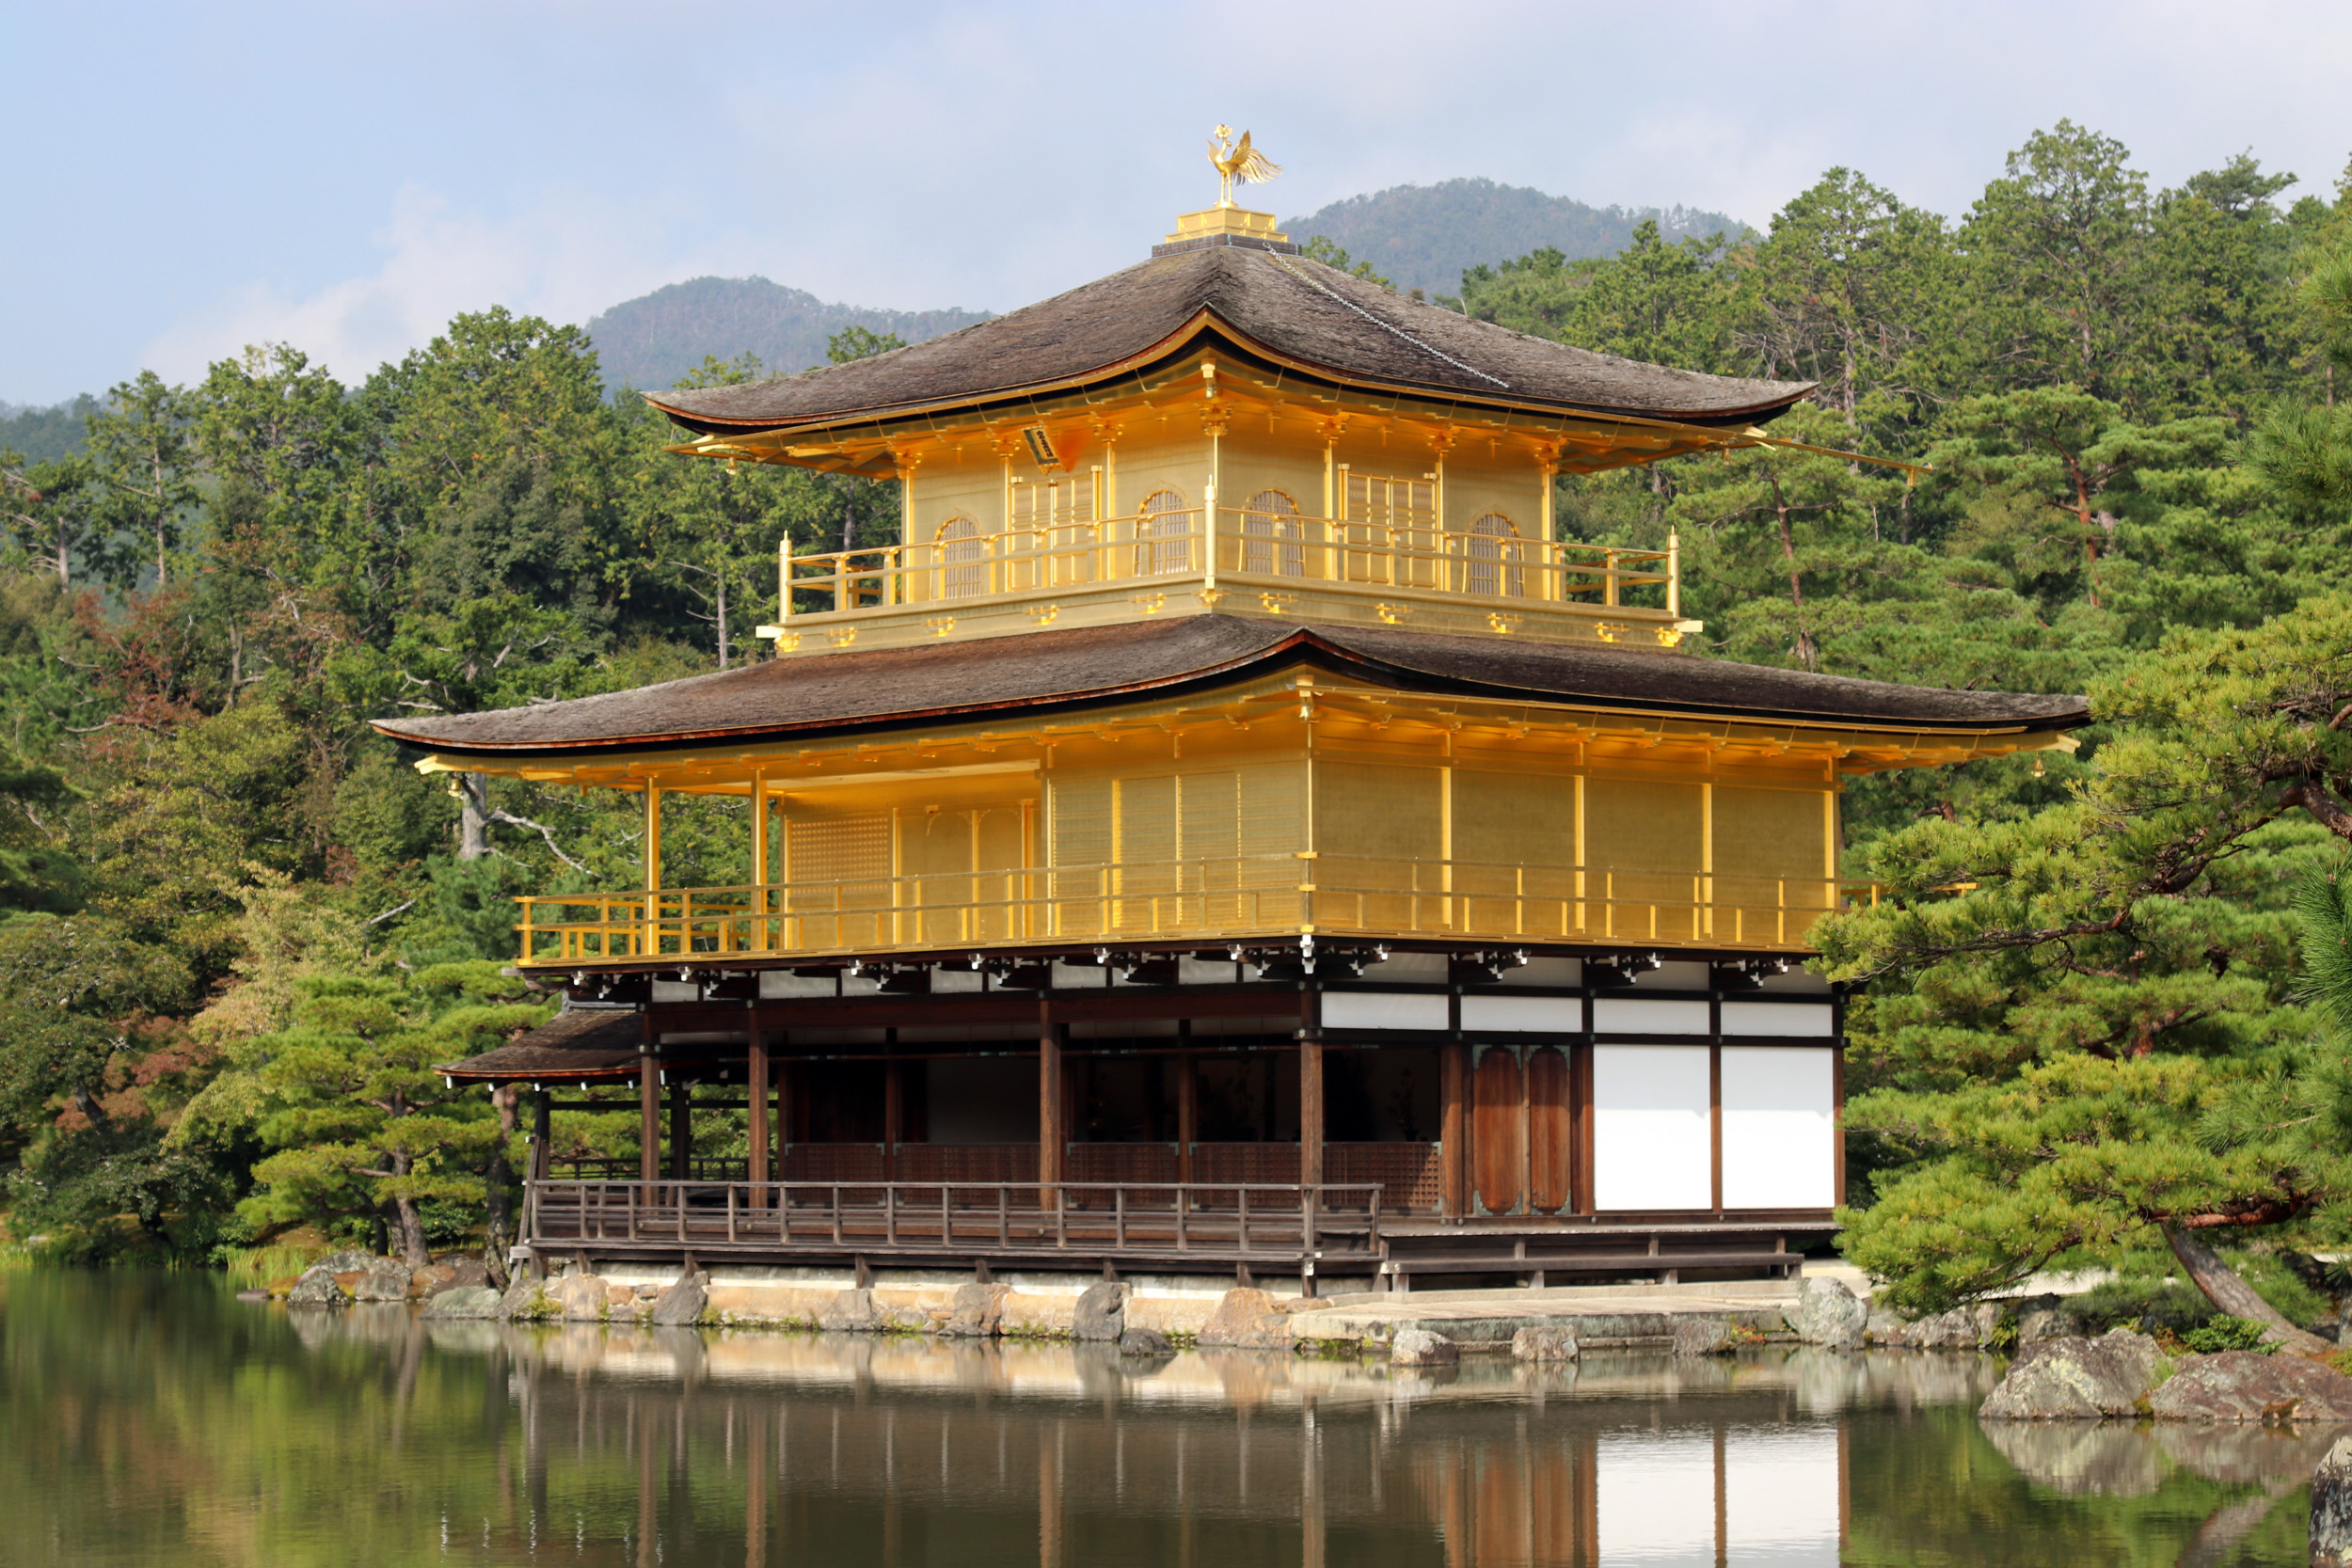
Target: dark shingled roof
x=579, y=1043
x=1301, y=310
x=1036, y=671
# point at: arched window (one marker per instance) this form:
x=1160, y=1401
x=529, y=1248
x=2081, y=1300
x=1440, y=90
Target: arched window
x=1162, y=536
x=963, y=556
x=1493, y=552
x=1270, y=535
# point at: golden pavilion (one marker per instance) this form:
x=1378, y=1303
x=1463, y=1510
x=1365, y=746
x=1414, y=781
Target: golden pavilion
x=1226, y=830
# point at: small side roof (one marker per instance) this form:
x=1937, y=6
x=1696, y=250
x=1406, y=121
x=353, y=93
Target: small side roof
x=1298, y=312
x=578, y=1045
x=1040, y=671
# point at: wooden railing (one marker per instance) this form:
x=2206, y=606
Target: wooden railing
x=1208, y=900
x=1272, y=1224
x=1230, y=545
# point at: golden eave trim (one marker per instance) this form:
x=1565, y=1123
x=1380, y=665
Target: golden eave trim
x=1172, y=346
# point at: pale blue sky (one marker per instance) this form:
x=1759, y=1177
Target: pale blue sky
x=193, y=177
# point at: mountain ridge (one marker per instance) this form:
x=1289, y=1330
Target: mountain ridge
x=651, y=340
x=1422, y=236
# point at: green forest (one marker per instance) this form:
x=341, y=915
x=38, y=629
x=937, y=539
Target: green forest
x=2094, y=1019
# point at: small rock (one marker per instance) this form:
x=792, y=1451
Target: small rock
x=253, y=1295
x=383, y=1280
x=1101, y=1312
x=1829, y=1315
x=2245, y=1385
x=1702, y=1336
x=976, y=1312
x=1961, y=1328
x=580, y=1297
x=1882, y=1328
x=345, y=1262
x=467, y=1271
x=316, y=1288
x=850, y=1312
x=525, y=1299
x=1544, y=1344
x=464, y=1301
x=2045, y=1323
x=2076, y=1379
x=1418, y=1347
x=2331, y=1507
x=1144, y=1341
x=1246, y=1319
x=683, y=1303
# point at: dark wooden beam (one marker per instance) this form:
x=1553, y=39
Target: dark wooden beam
x=762, y=1137
x=1051, y=1133
x=648, y=1104
x=1310, y=1089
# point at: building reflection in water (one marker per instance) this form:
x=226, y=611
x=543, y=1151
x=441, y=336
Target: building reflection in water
x=672, y=1446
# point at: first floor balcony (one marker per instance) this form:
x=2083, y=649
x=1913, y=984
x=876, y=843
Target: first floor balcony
x=1205, y=900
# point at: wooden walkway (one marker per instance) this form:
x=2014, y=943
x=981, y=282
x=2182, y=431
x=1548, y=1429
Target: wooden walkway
x=1274, y=1226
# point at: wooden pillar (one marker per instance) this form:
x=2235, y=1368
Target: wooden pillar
x=762, y=1137
x=1051, y=1125
x=681, y=1131
x=1310, y=1089
x=650, y=942
x=1454, y=1124
x=758, y=936
x=1187, y=1111
x=894, y=1116
x=542, y=1138
x=648, y=1105
x=791, y=1113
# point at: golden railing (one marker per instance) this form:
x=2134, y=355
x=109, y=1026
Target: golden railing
x=1208, y=900
x=1260, y=550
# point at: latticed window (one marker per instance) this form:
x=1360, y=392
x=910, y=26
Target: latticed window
x=963, y=554
x=1162, y=536
x=1271, y=535
x=1492, y=548
x=1398, y=502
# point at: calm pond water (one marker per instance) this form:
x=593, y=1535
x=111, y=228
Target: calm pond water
x=154, y=1419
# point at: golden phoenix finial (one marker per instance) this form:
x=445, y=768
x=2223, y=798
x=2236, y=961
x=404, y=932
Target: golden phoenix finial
x=1237, y=160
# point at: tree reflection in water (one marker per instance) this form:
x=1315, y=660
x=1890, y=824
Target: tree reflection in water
x=151, y=1420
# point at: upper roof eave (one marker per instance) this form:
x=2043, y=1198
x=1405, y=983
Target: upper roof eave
x=1175, y=345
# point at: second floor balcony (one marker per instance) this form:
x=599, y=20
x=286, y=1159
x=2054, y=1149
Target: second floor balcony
x=1485, y=579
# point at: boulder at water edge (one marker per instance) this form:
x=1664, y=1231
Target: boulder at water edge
x=851, y=1312
x=1245, y=1319
x=682, y=1304
x=2075, y=1379
x=1829, y=1315
x=1418, y=1347
x=316, y=1288
x=1101, y=1313
x=2245, y=1385
x=383, y=1280
x=580, y=1298
x=2331, y=1507
x=526, y=1298
x=1961, y=1328
x=977, y=1311
x=1544, y=1344
x=464, y=1301
x=1702, y=1336
x=1145, y=1341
